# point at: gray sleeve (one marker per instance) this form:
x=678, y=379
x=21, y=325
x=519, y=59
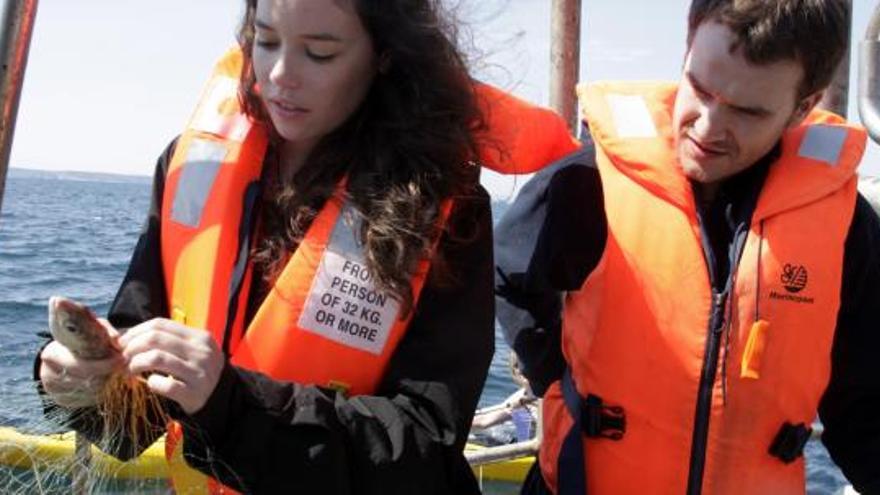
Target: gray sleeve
x=547, y=243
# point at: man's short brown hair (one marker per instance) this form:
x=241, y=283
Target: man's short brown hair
x=812, y=32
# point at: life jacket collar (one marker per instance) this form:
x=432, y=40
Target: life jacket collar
x=632, y=124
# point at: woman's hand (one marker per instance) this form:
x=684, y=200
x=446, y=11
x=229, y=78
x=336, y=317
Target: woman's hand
x=73, y=382
x=183, y=363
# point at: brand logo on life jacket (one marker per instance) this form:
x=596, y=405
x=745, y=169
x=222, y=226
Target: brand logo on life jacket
x=794, y=278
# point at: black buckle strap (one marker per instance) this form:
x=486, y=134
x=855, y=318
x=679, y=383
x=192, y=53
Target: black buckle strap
x=591, y=418
x=602, y=420
x=790, y=441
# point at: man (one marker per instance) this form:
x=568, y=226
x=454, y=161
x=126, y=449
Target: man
x=688, y=291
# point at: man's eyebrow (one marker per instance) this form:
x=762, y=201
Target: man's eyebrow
x=759, y=111
x=695, y=82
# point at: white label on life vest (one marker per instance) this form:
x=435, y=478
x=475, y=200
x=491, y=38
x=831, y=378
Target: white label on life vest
x=344, y=305
x=631, y=116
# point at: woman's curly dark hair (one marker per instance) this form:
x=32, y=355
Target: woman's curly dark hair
x=408, y=147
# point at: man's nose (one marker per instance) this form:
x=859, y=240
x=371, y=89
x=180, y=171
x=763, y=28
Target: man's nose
x=709, y=124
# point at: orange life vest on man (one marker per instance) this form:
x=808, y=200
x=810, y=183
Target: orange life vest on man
x=635, y=335
x=324, y=322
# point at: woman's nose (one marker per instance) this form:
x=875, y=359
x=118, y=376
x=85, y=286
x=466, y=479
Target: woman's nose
x=285, y=72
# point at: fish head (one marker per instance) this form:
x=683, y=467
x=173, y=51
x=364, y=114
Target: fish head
x=76, y=327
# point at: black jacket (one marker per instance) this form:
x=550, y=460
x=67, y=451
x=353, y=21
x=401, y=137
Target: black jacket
x=554, y=234
x=260, y=435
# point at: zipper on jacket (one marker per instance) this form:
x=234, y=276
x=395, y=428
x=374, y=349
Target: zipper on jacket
x=704, y=394
x=711, y=354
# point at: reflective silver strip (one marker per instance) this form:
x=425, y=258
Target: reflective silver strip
x=196, y=180
x=632, y=118
x=823, y=143
x=343, y=239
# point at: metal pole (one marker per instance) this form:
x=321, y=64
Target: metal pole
x=15, y=40
x=869, y=77
x=565, y=34
x=491, y=455
x=836, y=97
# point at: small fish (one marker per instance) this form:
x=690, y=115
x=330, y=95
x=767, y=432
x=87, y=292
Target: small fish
x=76, y=327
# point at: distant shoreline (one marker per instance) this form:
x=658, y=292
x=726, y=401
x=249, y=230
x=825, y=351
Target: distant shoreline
x=72, y=175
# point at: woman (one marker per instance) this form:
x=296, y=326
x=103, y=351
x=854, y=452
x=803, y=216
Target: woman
x=312, y=293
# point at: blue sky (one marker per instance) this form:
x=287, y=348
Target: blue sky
x=110, y=82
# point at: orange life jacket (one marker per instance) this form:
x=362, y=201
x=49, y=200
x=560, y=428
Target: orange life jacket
x=520, y=138
x=323, y=322
x=635, y=334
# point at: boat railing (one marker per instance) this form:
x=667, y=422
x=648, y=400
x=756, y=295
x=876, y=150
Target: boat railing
x=501, y=453
x=520, y=398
